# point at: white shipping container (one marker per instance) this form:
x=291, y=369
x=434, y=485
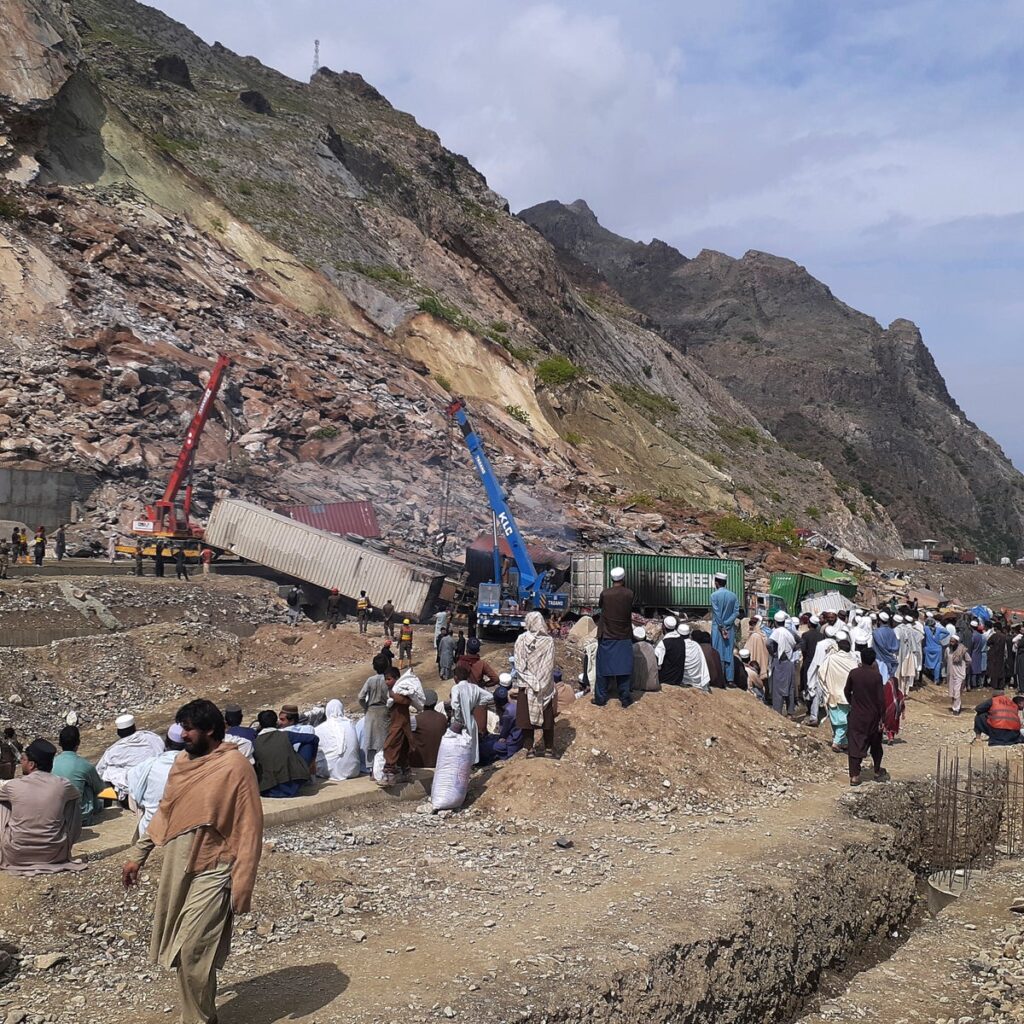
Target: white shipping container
x=321, y=558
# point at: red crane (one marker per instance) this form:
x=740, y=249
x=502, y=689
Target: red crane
x=162, y=518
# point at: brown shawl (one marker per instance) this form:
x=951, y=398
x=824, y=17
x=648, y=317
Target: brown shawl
x=217, y=797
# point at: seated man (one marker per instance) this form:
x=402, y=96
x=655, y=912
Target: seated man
x=146, y=781
x=645, y=664
x=10, y=754
x=40, y=816
x=428, y=728
x=241, y=736
x=280, y=771
x=132, y=748
x=712, y=657
x=681, y=661
x=999, y=719
x=80, y=773
x=753, y=682
x=305, y=741
x=507, y=740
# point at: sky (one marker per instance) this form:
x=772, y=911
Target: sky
x=880, y=143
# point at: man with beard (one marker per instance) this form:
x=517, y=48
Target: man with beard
x=210, y=826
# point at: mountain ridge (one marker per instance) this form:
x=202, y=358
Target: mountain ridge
x=871, y=403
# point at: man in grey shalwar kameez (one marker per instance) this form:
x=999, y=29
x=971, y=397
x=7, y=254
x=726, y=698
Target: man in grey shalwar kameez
x=373, y=698
x=446, y=654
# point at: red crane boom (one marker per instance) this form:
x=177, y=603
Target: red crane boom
x=162, y=518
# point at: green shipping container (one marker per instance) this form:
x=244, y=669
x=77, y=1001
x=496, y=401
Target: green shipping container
x=793, y=587
x=670, y=582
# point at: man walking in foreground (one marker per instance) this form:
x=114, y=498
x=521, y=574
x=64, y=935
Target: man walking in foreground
x=210, y=825
x=864, y=694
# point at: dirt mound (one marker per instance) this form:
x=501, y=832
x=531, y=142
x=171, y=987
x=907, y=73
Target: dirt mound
x=675, y=750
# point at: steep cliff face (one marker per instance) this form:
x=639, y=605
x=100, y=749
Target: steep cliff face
x=320, y=207
x=828, y=381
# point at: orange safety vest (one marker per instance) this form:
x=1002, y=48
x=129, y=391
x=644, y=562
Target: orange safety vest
x=405, y=635
x=1004, y=714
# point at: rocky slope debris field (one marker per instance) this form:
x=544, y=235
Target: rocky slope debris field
x=359, y=274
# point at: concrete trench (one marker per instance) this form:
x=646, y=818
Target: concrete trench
x=789, y=942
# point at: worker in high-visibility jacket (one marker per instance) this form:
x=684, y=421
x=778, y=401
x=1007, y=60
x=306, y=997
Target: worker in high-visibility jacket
x=405, y=645
x=999, y=719
x=363, y=608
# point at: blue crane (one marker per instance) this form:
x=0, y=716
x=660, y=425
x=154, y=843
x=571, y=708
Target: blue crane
x=531, y=590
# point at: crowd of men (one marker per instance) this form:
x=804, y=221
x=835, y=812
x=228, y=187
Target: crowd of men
x=853, y=667
x=195, y=787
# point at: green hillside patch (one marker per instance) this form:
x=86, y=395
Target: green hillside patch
x=648, y=403
x=753, y=531
x=556, y=371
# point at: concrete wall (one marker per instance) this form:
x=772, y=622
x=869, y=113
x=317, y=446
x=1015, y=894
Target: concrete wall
x=42, y=497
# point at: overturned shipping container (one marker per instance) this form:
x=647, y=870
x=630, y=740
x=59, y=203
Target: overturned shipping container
x=658, y=582
x=321, y=558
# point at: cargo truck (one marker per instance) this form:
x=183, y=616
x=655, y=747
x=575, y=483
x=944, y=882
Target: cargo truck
x=660, y=583
x=793, y=587
x=322, y=560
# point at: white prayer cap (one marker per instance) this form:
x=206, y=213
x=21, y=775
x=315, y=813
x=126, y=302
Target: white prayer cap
x=720, y=577
x=124, y=721
x=757, y=618
x=929, y=615
x=670, y=622
x=842, y=635
x=505, y=678
x=884, y=616
x=618, y=573
x=744, y=654
x=974, y=622
x=684, y=630
x=71, y=718
x=874, y=615
x=176, y=734
x=639, y=633
x=897, y=618
x=858, y=611
x=815, y=621
x=951, y=630
x=830, y=631
x=780, y=616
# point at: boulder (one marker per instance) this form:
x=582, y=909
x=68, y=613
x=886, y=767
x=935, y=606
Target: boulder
x=255, y=101
x=172, y=69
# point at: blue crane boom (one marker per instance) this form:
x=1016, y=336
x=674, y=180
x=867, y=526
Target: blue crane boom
x=504, y=521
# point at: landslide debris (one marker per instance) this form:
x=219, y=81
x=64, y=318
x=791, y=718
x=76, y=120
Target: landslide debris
x=360, y=273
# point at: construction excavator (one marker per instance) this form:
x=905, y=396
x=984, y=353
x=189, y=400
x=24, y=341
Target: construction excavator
x=163, y=519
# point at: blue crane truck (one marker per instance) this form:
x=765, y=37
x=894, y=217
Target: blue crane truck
x=502, y=603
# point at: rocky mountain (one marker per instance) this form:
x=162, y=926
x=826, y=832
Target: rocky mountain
x=167, y=200
x=829, y=382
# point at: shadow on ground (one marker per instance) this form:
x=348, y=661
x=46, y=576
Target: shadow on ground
x=287, y=994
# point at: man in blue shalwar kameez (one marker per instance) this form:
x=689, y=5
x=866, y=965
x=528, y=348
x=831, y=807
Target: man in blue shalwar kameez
x=725, y=608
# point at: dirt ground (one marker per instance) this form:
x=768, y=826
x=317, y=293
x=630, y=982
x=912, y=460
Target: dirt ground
x=551, y=896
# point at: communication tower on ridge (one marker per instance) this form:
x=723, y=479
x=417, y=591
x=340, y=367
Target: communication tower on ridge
x=316, y=56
